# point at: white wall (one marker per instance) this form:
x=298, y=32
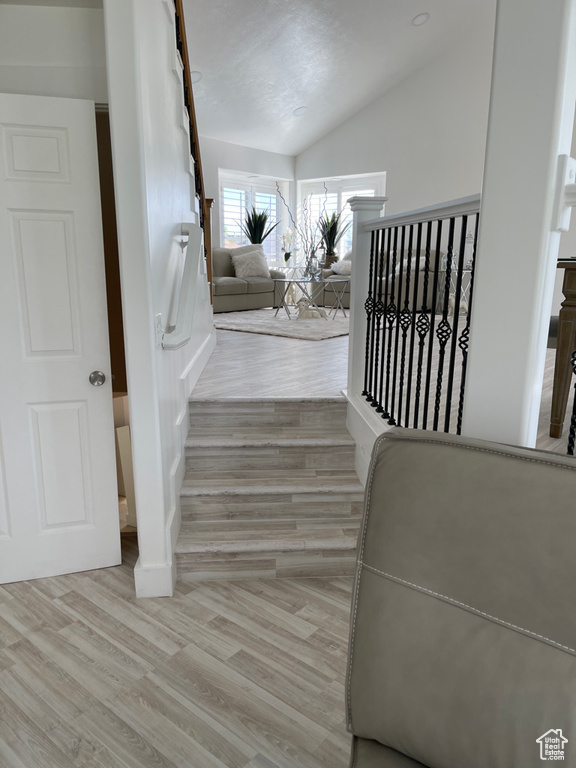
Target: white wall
x=46, y=51
x=233, y=157
x=154, y=195
x=428, y=133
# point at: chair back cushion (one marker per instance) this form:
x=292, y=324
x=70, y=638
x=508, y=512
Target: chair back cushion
x=463, y=628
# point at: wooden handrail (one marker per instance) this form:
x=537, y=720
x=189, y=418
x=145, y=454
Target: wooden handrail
x=205, y=205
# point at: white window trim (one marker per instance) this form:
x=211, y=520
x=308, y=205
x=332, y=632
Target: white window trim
x=266, y=186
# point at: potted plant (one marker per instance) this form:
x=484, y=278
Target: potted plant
x=331, y=232
x=254, y=226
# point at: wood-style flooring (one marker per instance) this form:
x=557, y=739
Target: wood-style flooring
x=251, y=364
x=223, y=675
x=245, y=364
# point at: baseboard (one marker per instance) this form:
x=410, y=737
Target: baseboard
x=155, y=580
x=365, y=426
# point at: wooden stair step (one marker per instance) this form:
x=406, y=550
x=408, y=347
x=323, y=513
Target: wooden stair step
x=325, y=550
x=270, y=490
x=317, y=412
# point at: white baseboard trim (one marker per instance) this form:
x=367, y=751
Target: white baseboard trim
x=365, y=426
x=155, y=580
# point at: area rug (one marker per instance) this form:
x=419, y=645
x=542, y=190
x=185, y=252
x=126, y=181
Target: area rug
x=263, y=321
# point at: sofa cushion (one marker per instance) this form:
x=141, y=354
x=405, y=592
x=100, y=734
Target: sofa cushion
x=226, y=286
x=250, y=263
x=260, y=284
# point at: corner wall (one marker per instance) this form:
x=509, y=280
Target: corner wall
x=154, y=195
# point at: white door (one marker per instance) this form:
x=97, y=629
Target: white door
x=58, y=494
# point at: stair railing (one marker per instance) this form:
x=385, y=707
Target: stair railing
x=420, y=291
x=205, y=204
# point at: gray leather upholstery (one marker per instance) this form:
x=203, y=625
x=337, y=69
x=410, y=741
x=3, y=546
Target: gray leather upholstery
x=463, y=630
x=370, y=754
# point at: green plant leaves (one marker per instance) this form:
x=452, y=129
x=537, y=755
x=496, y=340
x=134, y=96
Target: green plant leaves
x=331, y=232
x=254, y=226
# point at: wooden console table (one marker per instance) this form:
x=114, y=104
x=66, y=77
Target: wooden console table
x=565, y=346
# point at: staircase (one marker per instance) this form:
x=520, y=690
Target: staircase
x=270, y=490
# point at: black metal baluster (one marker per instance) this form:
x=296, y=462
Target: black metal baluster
x=405, y=321
x=572, y=433
x=465, y=336
x=389, y=314
x=383, y=283
x=422, y=325
x=432, y=324
x=395, y=419
x=416, y=281
x=444, y=329
x=373, y=362
x=369, y=307
x=456, y=318
x=378, y=312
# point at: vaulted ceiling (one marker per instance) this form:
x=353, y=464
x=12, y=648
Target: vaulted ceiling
x=262, y=59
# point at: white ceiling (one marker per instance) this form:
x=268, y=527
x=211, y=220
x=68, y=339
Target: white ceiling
x=261, y=59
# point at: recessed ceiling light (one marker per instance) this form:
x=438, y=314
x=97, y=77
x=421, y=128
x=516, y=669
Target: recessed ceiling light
x=254, y=176
x=422, y=18
x=299, y=111
x=196, y=76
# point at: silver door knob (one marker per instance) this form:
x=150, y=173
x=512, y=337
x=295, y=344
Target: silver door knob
x=97, y=378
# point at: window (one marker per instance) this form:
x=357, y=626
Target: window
x=331, y=196
x=237, y=197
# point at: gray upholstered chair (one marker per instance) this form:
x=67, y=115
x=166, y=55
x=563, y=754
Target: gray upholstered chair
x=463, y=627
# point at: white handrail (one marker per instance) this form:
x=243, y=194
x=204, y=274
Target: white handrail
x=464, y=206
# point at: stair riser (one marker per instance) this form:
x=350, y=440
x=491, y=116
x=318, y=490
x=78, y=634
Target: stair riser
x=275, y=414
x=266, y=565
x=213, y=511
x=230, y=459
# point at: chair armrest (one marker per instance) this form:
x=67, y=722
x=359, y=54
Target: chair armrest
x=276, y=274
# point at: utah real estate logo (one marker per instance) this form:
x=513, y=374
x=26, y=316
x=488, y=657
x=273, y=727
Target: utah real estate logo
x=552, y=745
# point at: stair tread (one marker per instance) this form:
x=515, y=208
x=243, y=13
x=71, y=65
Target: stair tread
x=233, y=538
x=260, y=486
x=257, y=440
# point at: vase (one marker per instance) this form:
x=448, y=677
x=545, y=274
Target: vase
x=331, y=258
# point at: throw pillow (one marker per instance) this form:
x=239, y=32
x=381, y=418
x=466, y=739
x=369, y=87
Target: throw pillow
x=250, y=263
x=342, y=267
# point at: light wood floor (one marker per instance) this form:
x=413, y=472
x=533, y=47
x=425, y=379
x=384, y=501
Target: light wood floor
x=247, y=364
x=253, y=365
x=224, y=675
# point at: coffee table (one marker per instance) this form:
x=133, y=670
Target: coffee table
x=311, y=289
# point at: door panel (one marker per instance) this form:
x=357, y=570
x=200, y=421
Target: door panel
x=58, y=495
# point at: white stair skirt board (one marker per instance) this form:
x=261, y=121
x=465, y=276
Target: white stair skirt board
x=264, y=321
x=270, y=490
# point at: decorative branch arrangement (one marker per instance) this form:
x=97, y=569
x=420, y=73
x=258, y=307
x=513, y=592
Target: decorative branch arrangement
x=325, y=233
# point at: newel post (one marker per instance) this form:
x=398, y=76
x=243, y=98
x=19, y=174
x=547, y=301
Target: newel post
x=364, y=209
